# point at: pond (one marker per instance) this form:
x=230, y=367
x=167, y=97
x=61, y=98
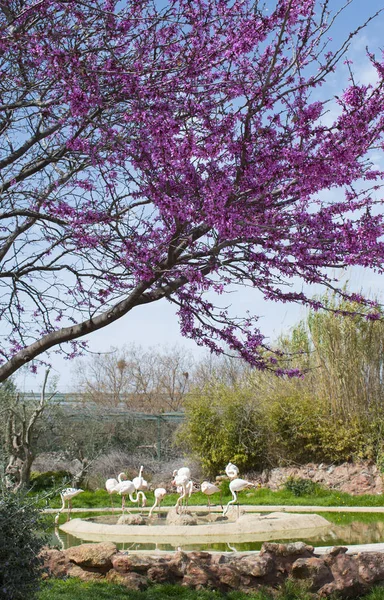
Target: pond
x=344, y=529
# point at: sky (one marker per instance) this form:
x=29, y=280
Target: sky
x=157, y=325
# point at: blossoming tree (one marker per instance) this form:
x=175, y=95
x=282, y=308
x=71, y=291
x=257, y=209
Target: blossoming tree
x=155, y=150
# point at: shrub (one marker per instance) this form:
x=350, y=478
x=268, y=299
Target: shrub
x=224, y=424
x=50, y=479
x=301, y=487
x=20, y=565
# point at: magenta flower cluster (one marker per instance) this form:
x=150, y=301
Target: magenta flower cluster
x=152, y=150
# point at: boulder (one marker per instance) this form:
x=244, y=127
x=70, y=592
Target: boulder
x=370, y=567
x=132, y=581
x=128, y=563
x=185, y=518
x=131, y=519
x=257, y=566
x=92, y=555
x=84, y=574
x=313, y=570
x=55, y=563
x=292, y=549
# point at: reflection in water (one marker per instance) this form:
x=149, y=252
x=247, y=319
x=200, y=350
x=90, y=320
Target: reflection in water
x=355, y=532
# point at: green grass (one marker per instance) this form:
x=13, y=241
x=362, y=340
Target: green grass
x=73, y=589
x=348, y=518
x=263, y=496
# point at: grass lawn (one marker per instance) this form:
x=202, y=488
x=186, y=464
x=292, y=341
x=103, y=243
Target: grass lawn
x=73, y=589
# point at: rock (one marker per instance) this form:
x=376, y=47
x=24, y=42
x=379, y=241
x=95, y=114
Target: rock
x=292, y=549
x=370, y=567
x=178, y=563
x=335, y=551
x=132, y=581
x=84, y=574
x=347, y=575
x=227, y=576
x=353, y=478
x=131, y=519
x=185, y=518
x=257, y=566
x=127, y=563
x=200, y=557
x=160, y=574
x=314, y=570
x=92, y=555
x=199, y=577
x=55, y=563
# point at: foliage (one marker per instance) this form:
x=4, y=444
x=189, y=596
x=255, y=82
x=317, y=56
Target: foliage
x=301, y=487
x=20, y=567
x=50, y=479
x=303, y=429
x=223, y=424
x=174, y=148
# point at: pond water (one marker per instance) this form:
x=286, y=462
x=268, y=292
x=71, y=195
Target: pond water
x=345, y=529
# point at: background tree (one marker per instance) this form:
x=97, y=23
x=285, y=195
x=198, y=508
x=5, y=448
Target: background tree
x=151, y=380
x=334, y=413
x=21, y=430
x=153, y=151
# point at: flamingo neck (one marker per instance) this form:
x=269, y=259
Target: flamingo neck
x=132, y=499
x=120, y=475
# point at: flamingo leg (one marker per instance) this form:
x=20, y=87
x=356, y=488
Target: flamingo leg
x=69, y=510
x=113, y=508
x=152, y=509
x=180, y=500
x=229, y=503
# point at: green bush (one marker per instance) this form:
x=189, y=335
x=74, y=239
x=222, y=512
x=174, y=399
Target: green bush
x=301, y=487
x=20, y=565
x=224, y=424
x=41, y=482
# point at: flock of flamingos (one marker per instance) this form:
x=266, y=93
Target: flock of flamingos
x=181, y=479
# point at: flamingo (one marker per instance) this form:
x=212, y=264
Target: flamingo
x=112, y=485
x=159, y=495
x=236, y=485
x=208, y=489
x=184, y=487
x=141, y=484
x=182, y=471
x=66, y=496
x=127, y=488
x=231, y=471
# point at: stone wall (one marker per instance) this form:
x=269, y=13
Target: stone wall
x=348, y=575
x=358, y=478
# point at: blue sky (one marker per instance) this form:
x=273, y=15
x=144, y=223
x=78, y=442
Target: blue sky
x=157, y=324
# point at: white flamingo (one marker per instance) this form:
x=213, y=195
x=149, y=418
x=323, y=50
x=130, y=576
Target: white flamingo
x=127, y=488
x=184, y=487
x=112, y=485
x=231, y=471
x=140, y=484
x=159, y=495
x=208, y=489
x=236, y=485
x=186, y=471
x=66, y=496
